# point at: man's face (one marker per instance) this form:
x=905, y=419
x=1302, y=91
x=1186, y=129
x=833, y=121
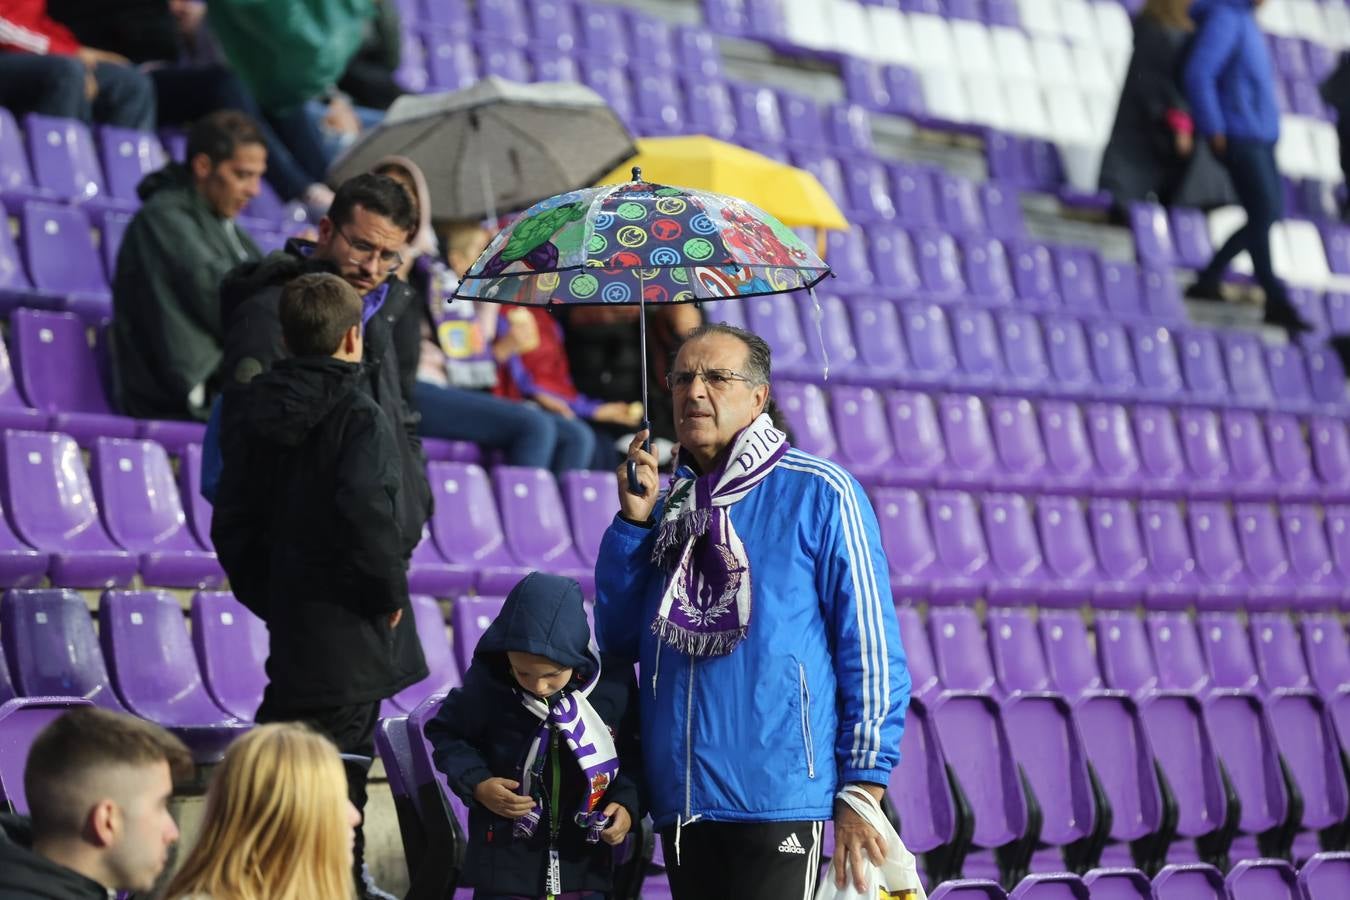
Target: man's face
x=365, y=249
x=710, y=411
x=229, y=186
x=144, y=830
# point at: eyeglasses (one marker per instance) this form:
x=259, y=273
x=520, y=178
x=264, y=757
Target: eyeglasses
x=363, y=252
x=715, y=379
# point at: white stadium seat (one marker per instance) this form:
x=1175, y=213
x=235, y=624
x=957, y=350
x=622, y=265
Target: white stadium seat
x=1077, y=23
x=932, y=39
x=1040, y=16
x=974, y=48
x=1303, y=253
x=1114, y=28
x=945, y=96
x=988, y=103
x=1054, y=65
x=1012, y=52
x=1026, y=108
x=889, y=30
x=1095, y=73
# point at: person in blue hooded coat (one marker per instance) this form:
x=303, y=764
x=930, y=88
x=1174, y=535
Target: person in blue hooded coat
x=1230, y=83
x=541, y=744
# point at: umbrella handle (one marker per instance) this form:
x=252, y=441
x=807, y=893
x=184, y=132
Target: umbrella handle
x=635, y=487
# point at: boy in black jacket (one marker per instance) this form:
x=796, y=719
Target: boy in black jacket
x=306, y=526
x=541, y=744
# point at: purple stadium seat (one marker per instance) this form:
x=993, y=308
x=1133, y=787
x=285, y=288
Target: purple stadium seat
x=1160, y=452
x=1263, y=879
x=1275, y=583
x=1279, y=658
x=1289, y=377
x=908, y=544
x=467, y=529
x=16, y=177
x=971, y=458
x=1070, y=359
x=1194, y=881
x=113, y=228
x=922, y=797
x=862, y=432
x=1155, y=355
x=959, y=650
x=1118, y=884
x=59, y=253
x=849, y=127
x=828, y=341
x=1122, y=289
x=939, y=264
x=1017, y=438
x=968, y=889
x=197, y=507
x=1338, y=532
x=589, y=498
x=1327, y=649
x=127, y=157
x=1206, y=456
x=1120, y=553
x=503, y=19
x=893, y=263
x=1202, y=365
x=1172, y=567
x=58, y=373
x=553, y=24
x=1002, y=211
x=512, y=64
x=697, y=53
x=710, y=108
x=1152, y=234
x=1033, y=274
x=16, y=289
x=879, y=339
x=1247, y=376
x=430, y=573
x=804, y=407
x=1015, y=647
x=918, y=441
x=1068, y=447
x=825, y=167
x=987, y=275
x=923, y=669
x=469, y=618
x=134, y=483
x=1067, y=545
x=931, y=354
x=1331, y=454
x=1324, y=876
x=1112, y=359
x=977, y=346
x=1175, y=642
x=1290, y=456
x=1162, y=297
x=757, y=112
x=535, y=524
x=20, y=722
x=1225, y=582
x=1185, y=751
x=1024, y=352
x=847, y=250
x=1018, y=572
x=1079, y=281
x=914, y=195
x=1190, y=237
x=52, y=508
x=661, y=110
x=232, y=646
x=602, y=28
x=1061, y=886
x=452, y=63
x=1118, y=464
x=1249, y=459
x=1069, y=657
x=145, y=641
x=803, y=121
x=775, y=320
x=959, y=203
x=1326, y=377
x=52, y=649
x=64, y=160
x=654, y=36
x=444, y=670
x=979, y=751
x=962, y=557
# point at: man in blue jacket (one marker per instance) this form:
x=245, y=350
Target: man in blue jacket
x=754, y=595
x=1230, y=83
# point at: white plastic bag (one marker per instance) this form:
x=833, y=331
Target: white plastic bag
x=894, y=878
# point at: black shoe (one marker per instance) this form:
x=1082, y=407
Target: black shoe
x=1341, y=344
x=1282, y=314
x=1207, y=293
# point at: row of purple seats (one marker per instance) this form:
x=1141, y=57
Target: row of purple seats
x=21, y=719
x=1059, y=446
x=953, y=547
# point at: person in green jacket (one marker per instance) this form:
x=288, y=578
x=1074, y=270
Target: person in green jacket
x=167, y=337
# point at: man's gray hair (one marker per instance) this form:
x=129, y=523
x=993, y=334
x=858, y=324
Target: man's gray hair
x=759, y=360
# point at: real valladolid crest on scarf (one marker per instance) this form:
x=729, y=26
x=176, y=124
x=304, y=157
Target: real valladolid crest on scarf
x=705, y=610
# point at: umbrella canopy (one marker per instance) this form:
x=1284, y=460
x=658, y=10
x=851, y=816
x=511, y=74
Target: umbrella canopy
x=641, y=243
x=793, y=196
x=496, y=146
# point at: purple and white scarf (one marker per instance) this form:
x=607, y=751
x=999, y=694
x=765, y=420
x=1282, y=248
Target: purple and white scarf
x=588, y=737
x=705, y=610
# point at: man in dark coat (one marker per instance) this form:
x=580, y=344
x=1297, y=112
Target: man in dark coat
x=538, y=652
x=361, y=240
x=306, y=525
x=167, y=336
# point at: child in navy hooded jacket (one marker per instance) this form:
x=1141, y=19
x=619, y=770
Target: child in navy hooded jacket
x=541, y=744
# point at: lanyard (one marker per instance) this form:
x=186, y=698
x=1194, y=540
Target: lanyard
x=554, y=886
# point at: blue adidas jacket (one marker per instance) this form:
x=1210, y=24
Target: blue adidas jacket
x=1229, y=78
x=813, y=698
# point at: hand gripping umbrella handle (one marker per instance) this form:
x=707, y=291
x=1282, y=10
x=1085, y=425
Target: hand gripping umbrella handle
x=635, y=487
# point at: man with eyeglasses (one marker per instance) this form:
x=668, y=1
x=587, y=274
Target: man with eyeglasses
x=754, y=595
x=362, y=240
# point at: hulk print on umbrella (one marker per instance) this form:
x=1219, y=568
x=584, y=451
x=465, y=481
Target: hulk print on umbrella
x=531, y=239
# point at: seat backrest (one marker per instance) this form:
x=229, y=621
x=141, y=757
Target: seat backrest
x=929, y=339
x=465, y=526
x=1227, y=650
x=1218, y=555
x=834, y=343
x=232, y=647
x=1066, y=541
x=1016, y=650
x=1017, y=436
x=777, y=324
x=1115, y=532
x=1246, y=366
x=470, y=618
x=965, y=430
x=1061, y=886
x=808, y=415
x=1002, y=212
x=880, y=341
x=52, y=649
x=939, y=263
x=1289, y=451
x=1330, y=449
x=1326, y=375
x=987, y=274
x=905, y=536
x=14, y=170
x=1167, y=541
x=1263, y=879
x=968, y=889
x=1069, y=654
x=59, y=249
x=51, y=502
x=1068, y=447
x=923, y=798
x=1288, y=375
x=1113, y=443
x=918, y=651
x=145, y=641
x=443, y=670
x=959, y=203
x=1011, y=535
x=915, y=194
x=1033, y=272
x=956, y=532
x=917, y=433
x=533, y=518
x=977, y=345
x=22, y=720
x=1124, y=653
x=1202, y=364
x=860, y=426
x=1159, y=445
x=1118, y=884
x=1024, y=352
x=134, y=483
x=1070, y=358
x=960, y=650
x=1079, y=280
x=1155, y=354
x=1325, y=875
x=1189, y=882
x=128, y=156
x=1245, y=442
x=1176, y=650
x=1279, y=657
x=57, y=371
x=1262, y=543
x=1327, y=649
x=1202, y=441
x=589, y=499
x=62, y=152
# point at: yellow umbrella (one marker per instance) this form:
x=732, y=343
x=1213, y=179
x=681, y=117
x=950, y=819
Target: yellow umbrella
x=791, y=195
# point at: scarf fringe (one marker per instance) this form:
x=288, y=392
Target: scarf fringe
x=672, y=535
x=698, y=643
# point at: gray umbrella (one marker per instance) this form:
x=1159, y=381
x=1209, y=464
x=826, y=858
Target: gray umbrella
x=498, y=145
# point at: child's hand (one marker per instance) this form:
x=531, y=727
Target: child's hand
x=499, y=795
x=618, y=827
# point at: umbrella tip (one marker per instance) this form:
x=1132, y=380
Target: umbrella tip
x=637, y=173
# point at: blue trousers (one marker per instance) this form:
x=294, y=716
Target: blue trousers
x=1256, y=178
x=54, y=86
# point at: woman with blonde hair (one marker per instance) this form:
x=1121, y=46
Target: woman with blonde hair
x=278, y=824
x=1152, y=154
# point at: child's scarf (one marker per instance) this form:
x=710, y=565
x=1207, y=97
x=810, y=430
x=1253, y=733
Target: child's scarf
x=588, y=737
x=705, y=610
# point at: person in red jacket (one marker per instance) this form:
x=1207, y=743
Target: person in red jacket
x=44, y=69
